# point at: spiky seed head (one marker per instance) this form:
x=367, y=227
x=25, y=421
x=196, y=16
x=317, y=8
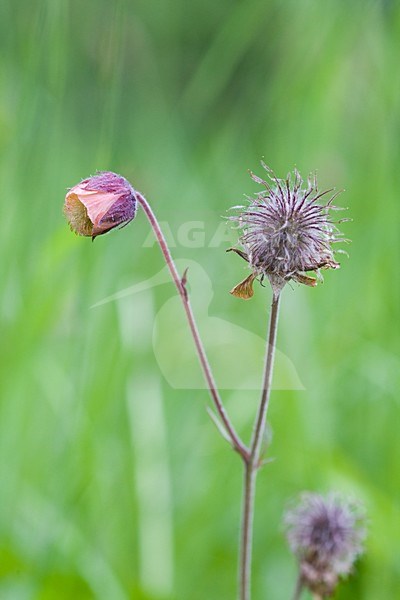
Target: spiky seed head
x=286, y=231
x=100, y=203
x=326, y=535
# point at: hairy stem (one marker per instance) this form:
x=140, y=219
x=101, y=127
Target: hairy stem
x=181, y=287
x=266, y=389
x=299, y=588
x=246, y=542
x=253, y=462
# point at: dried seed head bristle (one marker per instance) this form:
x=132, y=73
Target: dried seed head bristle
x=288, y=229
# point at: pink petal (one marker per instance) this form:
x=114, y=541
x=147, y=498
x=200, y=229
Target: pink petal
x=96, y=203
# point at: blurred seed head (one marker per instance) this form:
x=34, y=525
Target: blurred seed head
x=326, y=535
x=98, y=204
x=286, y=231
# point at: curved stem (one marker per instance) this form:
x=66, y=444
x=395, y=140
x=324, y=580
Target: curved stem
x=180, y=286
x=253, y=463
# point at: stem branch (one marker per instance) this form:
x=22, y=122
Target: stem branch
x=253, y=462
x=266, y=389
x=180, y=286
x=251, y=457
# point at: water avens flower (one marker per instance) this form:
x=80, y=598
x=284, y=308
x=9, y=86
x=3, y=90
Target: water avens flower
x=286, y=232
x=326, y=535
x=100, y=203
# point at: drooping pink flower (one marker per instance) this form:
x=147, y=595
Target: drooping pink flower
x=98, y=204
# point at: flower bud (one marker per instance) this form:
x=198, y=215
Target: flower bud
x=98, y=204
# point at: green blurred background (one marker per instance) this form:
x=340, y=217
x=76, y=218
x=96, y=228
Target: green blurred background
x=114, y=483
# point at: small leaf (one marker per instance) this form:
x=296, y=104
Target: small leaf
x=305, y=279
x=244, y=289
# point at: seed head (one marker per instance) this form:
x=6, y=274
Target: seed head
x=326, y=535
x=98, y=204
x=286, y=232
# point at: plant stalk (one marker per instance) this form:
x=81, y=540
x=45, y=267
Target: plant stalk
x=259, y=428
x=180, y=284
x=253, y=463
x=299, y=588
x=250, y=456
